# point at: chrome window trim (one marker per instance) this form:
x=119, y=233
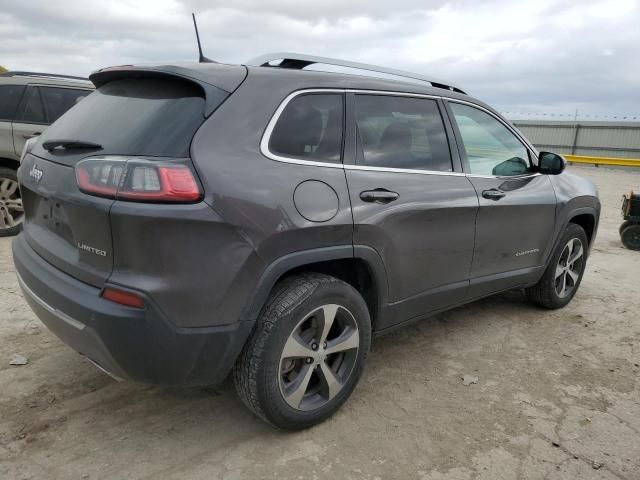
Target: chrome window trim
x=403, y=170
x=266, y=136
x=504, y=177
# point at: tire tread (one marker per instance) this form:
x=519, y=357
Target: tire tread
x=627, y=231
x=543, y=292
x=286, y=295
x=7, y=172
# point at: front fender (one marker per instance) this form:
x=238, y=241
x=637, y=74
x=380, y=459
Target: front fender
x=575, y=196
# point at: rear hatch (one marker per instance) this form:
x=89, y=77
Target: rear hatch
x=135, y=114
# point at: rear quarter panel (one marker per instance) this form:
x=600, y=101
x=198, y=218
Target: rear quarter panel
x=189, y=261
x=253, y=194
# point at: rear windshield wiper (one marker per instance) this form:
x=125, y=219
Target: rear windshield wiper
x=69, y=144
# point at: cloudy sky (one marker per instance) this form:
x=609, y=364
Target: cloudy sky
x=529, y=56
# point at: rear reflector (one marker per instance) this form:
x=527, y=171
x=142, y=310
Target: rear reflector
x=137, y=180
x=122, y=297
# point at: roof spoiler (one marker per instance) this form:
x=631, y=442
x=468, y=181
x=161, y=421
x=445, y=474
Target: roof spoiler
x=214, y=95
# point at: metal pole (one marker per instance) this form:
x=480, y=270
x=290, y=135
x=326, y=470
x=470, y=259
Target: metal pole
x=576, y=128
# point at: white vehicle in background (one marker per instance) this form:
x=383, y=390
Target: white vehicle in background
x=29, y=103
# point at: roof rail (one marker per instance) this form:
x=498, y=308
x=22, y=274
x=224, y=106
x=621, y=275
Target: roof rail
x=300, y=61
x=42, y=75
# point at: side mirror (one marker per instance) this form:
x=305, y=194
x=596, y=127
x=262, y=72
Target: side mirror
x=551, y=163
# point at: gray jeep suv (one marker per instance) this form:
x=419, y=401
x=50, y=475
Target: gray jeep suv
x=188, y=221
x=29, y=102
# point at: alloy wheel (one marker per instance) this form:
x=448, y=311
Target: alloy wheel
x=569, y=267
x=11, y=209
x=318, y=357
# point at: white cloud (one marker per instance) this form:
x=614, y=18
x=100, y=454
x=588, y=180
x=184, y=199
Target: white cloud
x=540, y=55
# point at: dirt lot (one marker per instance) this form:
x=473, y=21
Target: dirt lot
x=558, y=396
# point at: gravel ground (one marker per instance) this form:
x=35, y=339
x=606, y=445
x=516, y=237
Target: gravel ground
x=557, y=396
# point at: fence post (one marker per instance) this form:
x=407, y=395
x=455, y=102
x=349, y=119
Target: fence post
x=575, y=138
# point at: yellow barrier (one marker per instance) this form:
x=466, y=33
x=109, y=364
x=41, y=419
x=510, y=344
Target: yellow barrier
x=619, y=162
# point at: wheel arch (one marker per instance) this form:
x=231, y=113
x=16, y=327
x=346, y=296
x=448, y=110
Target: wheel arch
x=359, y=266
x=587, y=221
x=585, y=216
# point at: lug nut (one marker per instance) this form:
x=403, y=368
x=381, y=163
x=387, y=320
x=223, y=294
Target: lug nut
x=324, y=345
x=309, y=360
x=314, y=346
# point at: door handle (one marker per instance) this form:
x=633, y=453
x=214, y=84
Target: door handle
x=379, y=195
x=493, y=194
x=27, y=136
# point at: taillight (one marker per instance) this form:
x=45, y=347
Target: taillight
x=137, y=180
x=129, y=299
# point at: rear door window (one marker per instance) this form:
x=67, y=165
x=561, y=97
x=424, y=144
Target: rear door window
x=10, y=96
x=32, y=110
x=136, y=116
x=58, y=100
x=310, y=128
x=401, y=132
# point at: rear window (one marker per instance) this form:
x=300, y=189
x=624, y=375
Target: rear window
x=143, y=116
x=58, y=100
x=402, y=132
x=9, y=97
x=33, y=109
x=310, y=128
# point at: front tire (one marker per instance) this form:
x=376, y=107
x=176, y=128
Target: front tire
x=307, y=351
x=561, y=279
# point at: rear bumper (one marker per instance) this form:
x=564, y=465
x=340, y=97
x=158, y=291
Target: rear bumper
x=129, y=343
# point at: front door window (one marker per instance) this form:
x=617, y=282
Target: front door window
x=491, y=148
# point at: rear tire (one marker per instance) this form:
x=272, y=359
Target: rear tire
x=561, y=279
x=630, y=236
x=625, y=224
x=306, y=353
x=11, y=210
